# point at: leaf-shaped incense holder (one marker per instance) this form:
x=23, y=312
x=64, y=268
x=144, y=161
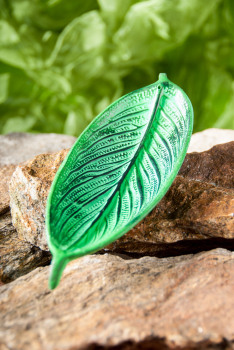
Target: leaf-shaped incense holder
x=117, y=171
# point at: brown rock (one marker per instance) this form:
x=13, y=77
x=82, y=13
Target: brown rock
x=17, y=257
x=105, y=302
x=215, y=166
x=5, y=177
x=29, y=189
x=196, y=213
x=17, y=148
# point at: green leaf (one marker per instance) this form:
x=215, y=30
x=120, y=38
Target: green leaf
x=50, y=15
x=74, y=124
x=52, y=81
x=56, y=50
x=117, y=171
x=4, y=85
x=79, y=40
x=18, y=124
x=150, y=28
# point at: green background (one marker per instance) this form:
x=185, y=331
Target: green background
x=63, y=61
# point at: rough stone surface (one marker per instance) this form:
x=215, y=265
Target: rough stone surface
x=215, y=166
x=29, y=189
x=16, y=148
x=199, y=206
x=106, y=302
x=204, y=140
x=5, y=177
x=17, y=257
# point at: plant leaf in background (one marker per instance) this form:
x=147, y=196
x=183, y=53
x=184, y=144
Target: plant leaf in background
x=117, y=171
x=62, y=61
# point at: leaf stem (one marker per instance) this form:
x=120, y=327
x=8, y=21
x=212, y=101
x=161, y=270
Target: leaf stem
x=56, y=269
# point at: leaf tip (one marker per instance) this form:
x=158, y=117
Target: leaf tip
x=57, y=266
x=52, y=284
x=163, y=77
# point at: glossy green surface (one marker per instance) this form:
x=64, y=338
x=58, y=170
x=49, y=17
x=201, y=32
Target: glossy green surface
x=117, y=171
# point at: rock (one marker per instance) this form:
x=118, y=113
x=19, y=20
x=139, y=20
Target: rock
x=204, y=140
x=29, y=189
x=105, y=302
x=16, y=148
x=215, y=166
x=17, y=257
x=5, y=176
x=196, y=214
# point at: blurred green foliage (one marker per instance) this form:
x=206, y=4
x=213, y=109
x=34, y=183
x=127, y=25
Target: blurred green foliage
x=63, y=61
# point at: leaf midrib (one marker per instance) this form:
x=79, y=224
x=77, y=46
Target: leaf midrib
x=132, y=161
